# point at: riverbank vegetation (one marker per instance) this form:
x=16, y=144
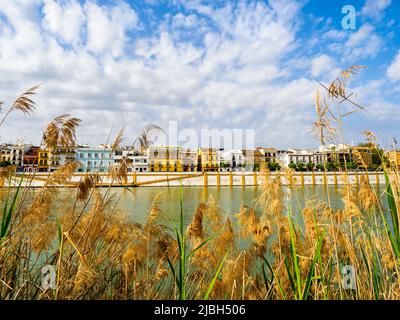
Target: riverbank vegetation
x=276, y=251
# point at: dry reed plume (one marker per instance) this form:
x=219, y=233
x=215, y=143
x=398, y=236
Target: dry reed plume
x=271, y=250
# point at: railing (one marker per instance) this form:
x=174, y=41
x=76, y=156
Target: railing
x=231, y=179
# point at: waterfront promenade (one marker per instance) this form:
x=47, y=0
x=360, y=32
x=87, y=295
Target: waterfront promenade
x=210, y=179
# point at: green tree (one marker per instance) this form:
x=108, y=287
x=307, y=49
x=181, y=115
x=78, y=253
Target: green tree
x=352, y=165
x=301, y=166
x=292, y=165
x=274, y=166
x=319, y=166
x=330, y=166
x=310, y=166
x=4, y=164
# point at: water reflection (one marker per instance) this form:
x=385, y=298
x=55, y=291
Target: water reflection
x=137, y=204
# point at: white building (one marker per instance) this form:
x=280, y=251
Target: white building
x=300, y=156
x=135, y=161
x=61, y=156
x=334, y=147
x=282, y=157
x=232, y=160
x=319, y=157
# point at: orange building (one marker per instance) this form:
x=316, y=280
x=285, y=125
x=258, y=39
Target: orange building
x=31, y=159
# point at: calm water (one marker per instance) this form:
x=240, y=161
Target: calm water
x=138, y=203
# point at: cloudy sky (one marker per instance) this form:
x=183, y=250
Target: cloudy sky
x=206, y=64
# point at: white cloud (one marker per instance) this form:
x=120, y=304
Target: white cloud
x=374, y=8
x=325, y=66
x=361, y=44
x=107, y=27
x=393, y=71
x=64, y=20
x=243, y=66
x=334, y=35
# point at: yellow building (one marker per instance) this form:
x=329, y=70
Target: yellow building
x=362, y=156
x=189, y=160
x=394, y=158
x=44, y=162
x=164, y=159
x=5, y=154
x=208, y=159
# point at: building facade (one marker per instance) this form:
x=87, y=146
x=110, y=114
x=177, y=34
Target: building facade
x=362, y=156
x=319, y=157
x=164, y=159
x=44, y=161
x=61, y=156
x=5, y=155
x=17, y=155
x=253, y=159
x=337, y=154
x=394, y=158
x=282, y=157
x=208, y=159
x=189, y=160
x=92, y=159
x=233, y=160
x=270, y=154
x=297, y=156
x=135, y=161
x=30, y=160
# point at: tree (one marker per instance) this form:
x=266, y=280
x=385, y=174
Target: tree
x=4, y=164
x=374, y=167
x=310, y=166
x=292, y=165
x=330, y=166
x=352, y=165
x=274, y=166
x=301, y=166
x=319, y=166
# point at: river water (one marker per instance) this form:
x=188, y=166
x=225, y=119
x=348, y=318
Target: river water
x=137, y=203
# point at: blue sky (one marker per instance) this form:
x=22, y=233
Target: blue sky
x=205, y=64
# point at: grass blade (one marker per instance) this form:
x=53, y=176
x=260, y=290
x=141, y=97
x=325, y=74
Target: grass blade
x=311, y=272
x=211, y=285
